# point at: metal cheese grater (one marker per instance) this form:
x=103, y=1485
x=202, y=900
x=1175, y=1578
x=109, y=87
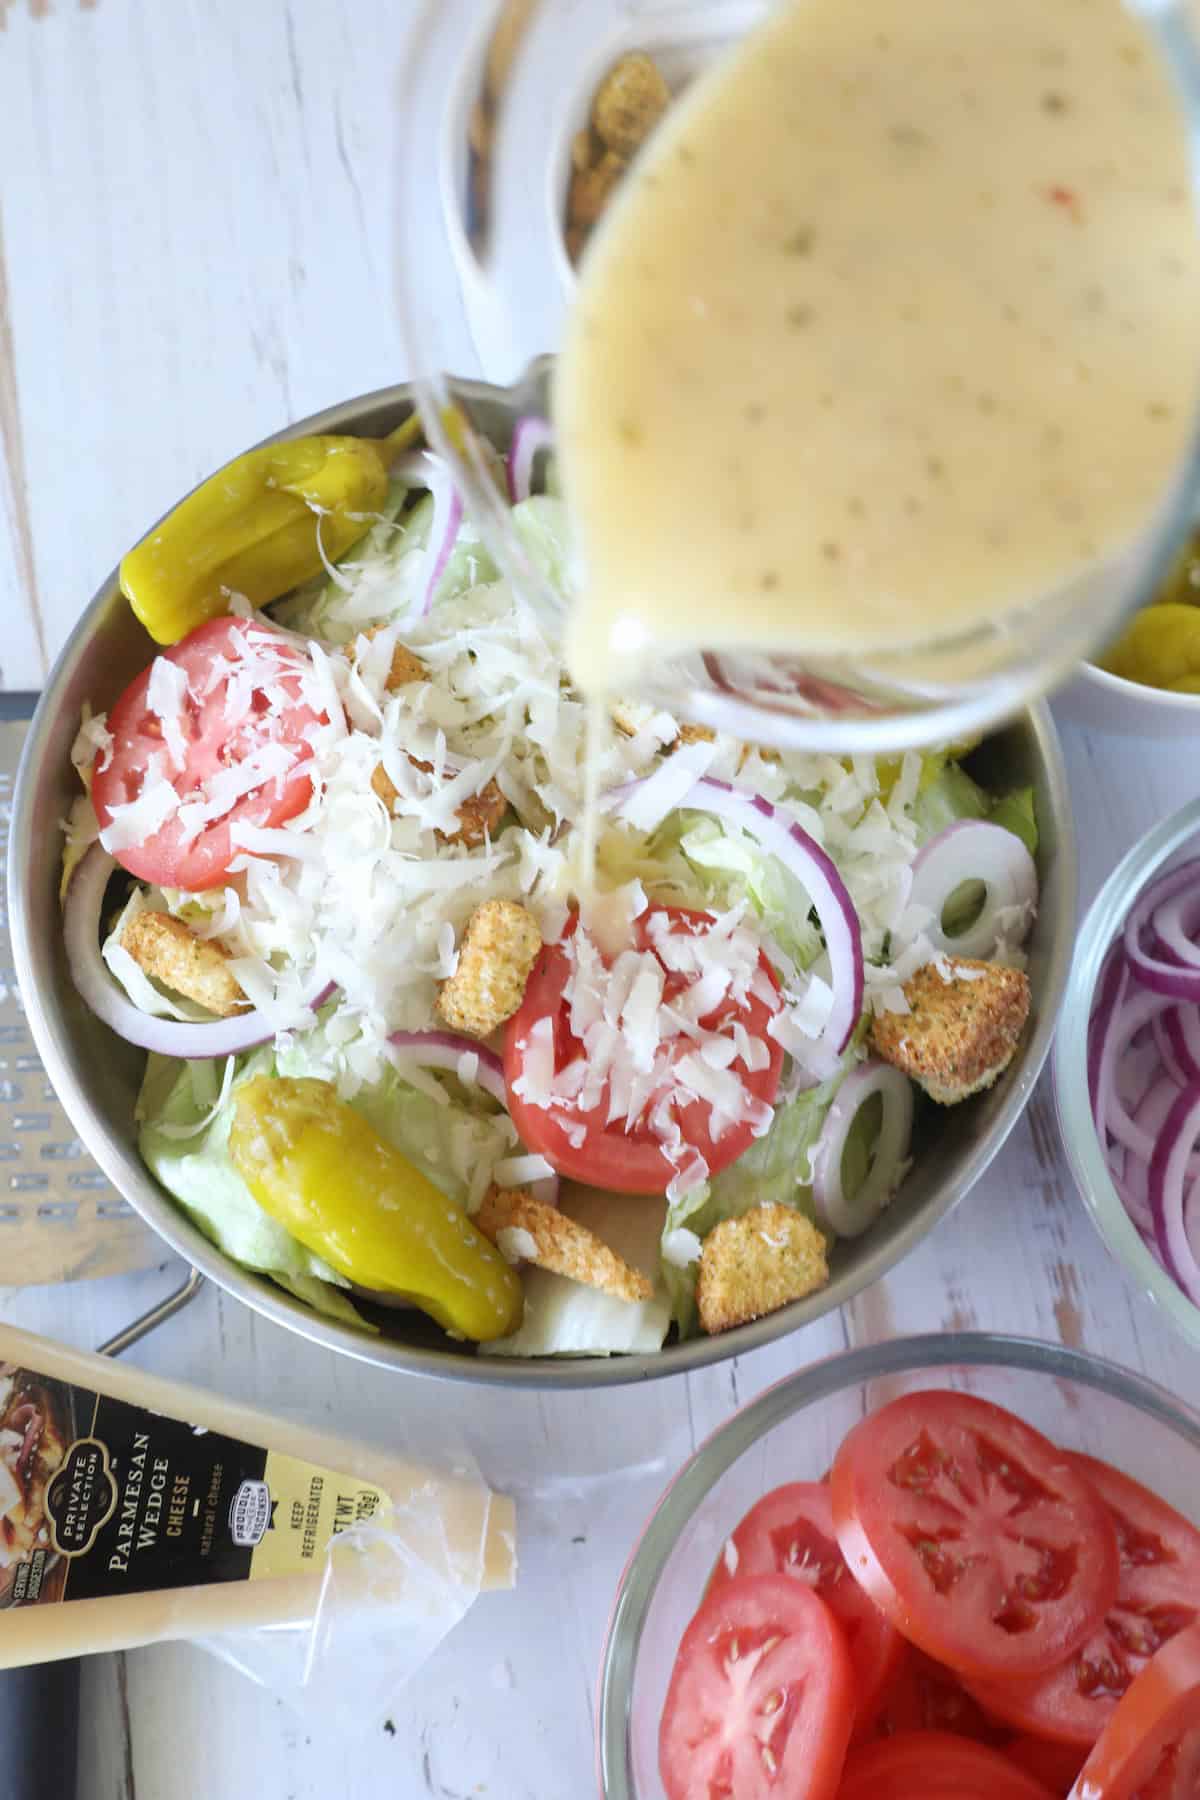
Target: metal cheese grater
x=60, y=1217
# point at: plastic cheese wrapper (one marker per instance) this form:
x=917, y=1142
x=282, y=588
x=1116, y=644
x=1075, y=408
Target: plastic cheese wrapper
x=134, y=1510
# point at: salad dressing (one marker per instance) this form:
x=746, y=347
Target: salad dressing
x=896, y=328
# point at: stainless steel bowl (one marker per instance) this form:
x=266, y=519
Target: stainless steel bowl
x=97, y=1076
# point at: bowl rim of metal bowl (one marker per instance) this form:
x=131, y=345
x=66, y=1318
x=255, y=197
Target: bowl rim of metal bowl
x=835, y=1374
x=1102, y=923
x=50, y=1004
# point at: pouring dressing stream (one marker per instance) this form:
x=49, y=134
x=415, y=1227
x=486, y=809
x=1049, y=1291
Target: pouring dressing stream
x=894, y=330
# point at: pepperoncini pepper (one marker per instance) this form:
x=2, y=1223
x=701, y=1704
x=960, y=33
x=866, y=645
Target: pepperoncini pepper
x=1160, y=647
x=317, y=1167
x=252, y=528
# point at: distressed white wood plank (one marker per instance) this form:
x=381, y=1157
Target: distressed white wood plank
x=187, y=266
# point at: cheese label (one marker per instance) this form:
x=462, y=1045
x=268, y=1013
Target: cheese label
x=101, y=1498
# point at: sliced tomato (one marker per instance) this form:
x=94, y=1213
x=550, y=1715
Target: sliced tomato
x=1054, y=1765
x=1158, y=1594
x=1150, y=1748
x=1177, y=1773
x=927, y=1696
x=790, y=1532
x=579, y=1140
x=243, y=697
x=935, y=1765
x=761, y=1699
x=978, y=1538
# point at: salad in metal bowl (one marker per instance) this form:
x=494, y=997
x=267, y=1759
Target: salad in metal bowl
x=408, y=1046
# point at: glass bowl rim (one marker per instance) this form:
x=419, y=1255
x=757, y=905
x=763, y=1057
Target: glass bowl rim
x=1101, y=924
x=820, y=1381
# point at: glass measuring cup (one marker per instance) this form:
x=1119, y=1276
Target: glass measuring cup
x=491, y=103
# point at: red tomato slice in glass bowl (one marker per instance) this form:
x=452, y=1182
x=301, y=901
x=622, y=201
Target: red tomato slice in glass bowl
x=978, y=1538
x=574, y=1131
x=927, y=1696
x=761, y=1698
x=1158, y=1594
x=935, y=1765
x=227, y=705
x=1054, y=1765
x=790, y=1532
x=1150, y=1748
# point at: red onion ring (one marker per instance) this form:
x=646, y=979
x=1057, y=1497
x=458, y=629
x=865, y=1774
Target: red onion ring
x=1112, y=1115
x=1148, y=960
x=428, y=471
x=1181, y=1028
x=97, y=986
x=530, y=437
x=816, y=694
x=1133, y=1182
x=1168, y=1168
x=782, y=838
x=445, y=1050
x=1176, y=922
x=849, y=1215
x=973, y=850
x=1108, y=988
x=1166, y=1049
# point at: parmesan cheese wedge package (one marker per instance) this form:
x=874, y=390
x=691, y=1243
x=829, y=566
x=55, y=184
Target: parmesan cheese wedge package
x=134, y=1510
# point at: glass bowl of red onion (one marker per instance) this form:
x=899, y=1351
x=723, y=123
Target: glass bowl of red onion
x=1127, y=1065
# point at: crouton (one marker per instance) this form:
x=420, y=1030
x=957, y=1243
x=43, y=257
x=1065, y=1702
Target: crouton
x=495, y=958
x=405, y=667
x=548, y=1238
x=629, y=717
x=585, y=149
x=478, y=816
x=629, y=102
x=962, y=1028
x=188, y=965
x=591, y=189
x=769, y=1257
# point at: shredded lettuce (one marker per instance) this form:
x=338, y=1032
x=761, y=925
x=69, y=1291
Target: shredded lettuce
x=731, y=865
x=185, y=1122
x=447, y=1140
x=950, y=794
x=541, y=524
x=1017, y=813
x=390, y=567
x=949, y=797
x=198, y=1171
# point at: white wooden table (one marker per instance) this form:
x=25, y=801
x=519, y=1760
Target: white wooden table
x=194, y=248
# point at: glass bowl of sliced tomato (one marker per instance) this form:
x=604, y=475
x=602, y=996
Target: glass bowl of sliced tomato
x=942, y=1567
